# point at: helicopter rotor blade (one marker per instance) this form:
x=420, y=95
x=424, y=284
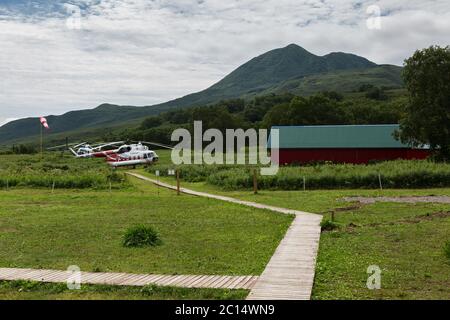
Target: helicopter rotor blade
x=73, y=145
x=99, y=147
x=79, y=145
x=157, y=144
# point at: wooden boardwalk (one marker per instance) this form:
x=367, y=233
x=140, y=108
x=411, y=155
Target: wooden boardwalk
x=128, y=279
x=289, y=275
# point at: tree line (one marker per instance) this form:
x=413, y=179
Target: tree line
x=326, y=108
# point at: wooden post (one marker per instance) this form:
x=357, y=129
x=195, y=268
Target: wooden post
x=67, y=147
x=53, y=186
x=178, y=181
x=304, y=183
x=255, y=181
x=332, y=216
x=110, y=186
x=157, y=180
x=379, y=180
x=7, y=184
x=42, y=142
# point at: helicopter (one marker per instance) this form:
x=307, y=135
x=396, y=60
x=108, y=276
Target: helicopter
x=134, y=154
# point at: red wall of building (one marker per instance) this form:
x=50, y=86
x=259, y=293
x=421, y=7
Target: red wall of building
x=339, y=155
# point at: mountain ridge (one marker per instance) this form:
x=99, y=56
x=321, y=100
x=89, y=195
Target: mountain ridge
x=288, y=69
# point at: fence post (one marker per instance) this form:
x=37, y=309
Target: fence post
x=178, y=181
x=157, y=180
x=304, y=183
x=53, y=186
x=255, y=182
x=379, y=180
x=7, y=184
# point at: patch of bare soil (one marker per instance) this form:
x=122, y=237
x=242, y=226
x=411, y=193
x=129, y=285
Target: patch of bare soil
x=406, y=199
x=412, y=220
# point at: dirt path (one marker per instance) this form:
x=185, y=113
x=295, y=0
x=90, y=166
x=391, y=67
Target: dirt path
x=406, y=199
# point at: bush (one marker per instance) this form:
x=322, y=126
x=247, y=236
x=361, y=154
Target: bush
x=328, y=225
x=141, y=236
x=447, y=249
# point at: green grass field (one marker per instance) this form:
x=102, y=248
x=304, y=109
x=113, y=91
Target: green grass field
x=85, y=228
x=405, y=240
x=57, y=171
x=41, y=229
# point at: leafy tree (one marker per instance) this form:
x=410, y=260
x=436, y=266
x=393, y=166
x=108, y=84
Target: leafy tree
x=278, y=115
x=315, y=110
x=233, y=105
x=215, y=117
x=178, y=116
x=333, y=95
x=376, y=94
x=427, y=116
x=151, y=122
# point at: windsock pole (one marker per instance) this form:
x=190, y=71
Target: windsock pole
x=42, y=143
x=44, y=124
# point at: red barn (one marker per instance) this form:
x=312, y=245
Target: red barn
x=342, y=144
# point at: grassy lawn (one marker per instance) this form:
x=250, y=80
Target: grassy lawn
x=25, y=290
x=405, y=240
x=316, y=201
x=39, y=229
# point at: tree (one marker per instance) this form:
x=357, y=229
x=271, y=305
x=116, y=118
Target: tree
x=151, y=122
x=376, y=94
x=427, y=115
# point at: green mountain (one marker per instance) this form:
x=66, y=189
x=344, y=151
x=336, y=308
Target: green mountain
x=290, y=69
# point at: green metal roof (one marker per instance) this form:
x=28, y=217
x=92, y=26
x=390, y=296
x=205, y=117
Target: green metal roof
x=339, y=136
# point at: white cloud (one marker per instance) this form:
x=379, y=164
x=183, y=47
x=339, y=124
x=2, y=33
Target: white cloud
x=141, y=52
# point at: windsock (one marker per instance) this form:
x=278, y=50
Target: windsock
x=44, y=122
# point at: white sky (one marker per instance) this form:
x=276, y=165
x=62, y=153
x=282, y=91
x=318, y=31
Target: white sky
x=138, y=52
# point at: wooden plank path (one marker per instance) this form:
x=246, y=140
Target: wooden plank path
x=289, y=275
x=129, y=279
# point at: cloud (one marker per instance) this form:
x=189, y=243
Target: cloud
x=55, y=58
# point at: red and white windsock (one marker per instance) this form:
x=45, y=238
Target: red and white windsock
x=44, y=122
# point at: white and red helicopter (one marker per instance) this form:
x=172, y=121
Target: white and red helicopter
x=134, y=154
x=123, y=155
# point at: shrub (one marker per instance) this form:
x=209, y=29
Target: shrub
x=328, y=225
x=141, y=236
x=447, y=249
